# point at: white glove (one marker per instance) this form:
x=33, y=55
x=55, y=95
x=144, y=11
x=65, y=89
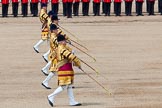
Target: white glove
x=72, y=51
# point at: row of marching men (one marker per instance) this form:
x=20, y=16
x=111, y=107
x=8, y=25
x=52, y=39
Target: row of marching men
x=69, y=5
x=59, y=57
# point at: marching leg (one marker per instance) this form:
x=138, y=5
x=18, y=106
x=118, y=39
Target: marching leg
x=45, y=56
x=56, y=92
x=45, y=69
x=71, y=97
x=45, y=82
x=37, y=45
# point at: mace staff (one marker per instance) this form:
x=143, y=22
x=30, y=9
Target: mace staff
x=83, y=51
x=79, y=44
x=107, y=91
x=89, y=66
x=69, y=33
x=75, y=37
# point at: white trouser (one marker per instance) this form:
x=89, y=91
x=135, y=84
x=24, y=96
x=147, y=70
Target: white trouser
x=71, y=96
x=59, y=90
x=56, y=92
x=46, y=55
x=45, y=69
x=36, y=46
x=50, y=75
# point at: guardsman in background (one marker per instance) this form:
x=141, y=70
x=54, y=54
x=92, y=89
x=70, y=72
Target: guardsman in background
x=43, y=2
x=147, y=5
x=96, y=7
x=64, y=7
x=5, y=4
x=160, y=7
x=103, y=11
x=139, y=4
x=107, y=6
x=151, y=7
x=21, y=8
x=85, y=7
x=69, y=8
x=55, y=6
x=93, y=7
x=117, y=6
x=35, y=7
x=76, y=7
x=128, y=7
x=135, y=6
x=31, y=7
x=114, y=7
x=15, y=4
x=24, y=8
x=65, y=58
x=44, y=34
